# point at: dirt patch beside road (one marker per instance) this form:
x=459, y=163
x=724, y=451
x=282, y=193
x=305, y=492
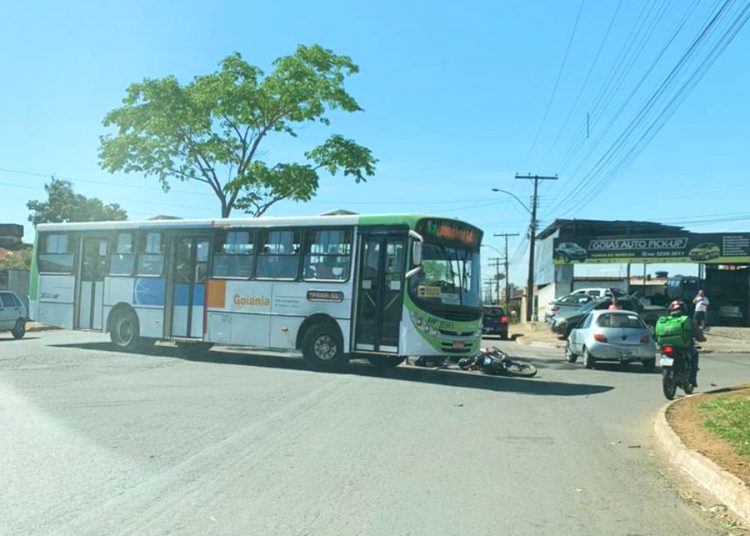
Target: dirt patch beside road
x=727, y=340
x=687, y=422
x=534, y=332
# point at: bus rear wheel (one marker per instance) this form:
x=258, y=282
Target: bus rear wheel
x=322, y=347
x=124, y=330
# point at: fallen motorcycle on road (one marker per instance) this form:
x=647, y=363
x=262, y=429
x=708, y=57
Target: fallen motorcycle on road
x=497, y=363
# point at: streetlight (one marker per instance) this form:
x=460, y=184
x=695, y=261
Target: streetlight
x=527, y=209
x=532, y=240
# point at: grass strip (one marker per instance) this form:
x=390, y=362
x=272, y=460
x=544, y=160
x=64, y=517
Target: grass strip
x=728, y=417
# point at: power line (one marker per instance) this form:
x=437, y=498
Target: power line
x=587, y=182
x=600, y=136
x=666, y=111
x=615, y=77
x=557, y=81
x=674, y=103
x=100, y=182
x=588, y=75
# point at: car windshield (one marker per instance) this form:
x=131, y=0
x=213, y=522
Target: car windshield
x=449, y=276
x=619, y=320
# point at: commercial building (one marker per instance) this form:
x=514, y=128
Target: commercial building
x=723, y=261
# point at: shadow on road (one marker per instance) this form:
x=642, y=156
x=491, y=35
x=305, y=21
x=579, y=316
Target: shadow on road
x=452, y=377
x=11, y=339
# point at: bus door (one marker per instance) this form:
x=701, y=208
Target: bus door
x=93, y=268
x=188, y=292
x=380, y=292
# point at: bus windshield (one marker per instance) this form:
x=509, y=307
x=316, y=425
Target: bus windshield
x=449, y=276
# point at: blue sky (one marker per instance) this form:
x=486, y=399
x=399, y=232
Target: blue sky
x=454, y=98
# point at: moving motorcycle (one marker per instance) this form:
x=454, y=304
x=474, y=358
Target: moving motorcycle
x=676, y=370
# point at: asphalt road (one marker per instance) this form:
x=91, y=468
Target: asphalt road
x=106, y=443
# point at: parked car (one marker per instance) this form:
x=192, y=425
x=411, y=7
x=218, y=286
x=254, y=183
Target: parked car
x=605, y=335
x=599, y=292
x=565, y=304
x=495, y=321
x=570, y=251
x=705, y=251
x=13, y=315
x=563, y=324
x=730, y=314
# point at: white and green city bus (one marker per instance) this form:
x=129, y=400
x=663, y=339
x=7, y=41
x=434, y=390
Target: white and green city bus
x=335, y=287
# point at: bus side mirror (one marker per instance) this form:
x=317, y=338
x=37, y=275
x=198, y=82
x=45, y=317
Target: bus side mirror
x=416, y=253
x=416, y=248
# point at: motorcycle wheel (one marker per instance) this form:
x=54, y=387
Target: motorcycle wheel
x=668, y=384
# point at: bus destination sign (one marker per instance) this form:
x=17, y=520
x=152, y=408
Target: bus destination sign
x=450, y=231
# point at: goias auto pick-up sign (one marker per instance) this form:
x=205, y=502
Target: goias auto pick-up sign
x=689, y=247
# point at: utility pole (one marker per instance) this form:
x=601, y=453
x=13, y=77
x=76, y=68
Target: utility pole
x=532, y=241
x=507, y=275
x=497, y=260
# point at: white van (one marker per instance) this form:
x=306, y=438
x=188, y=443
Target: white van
x=13, y=315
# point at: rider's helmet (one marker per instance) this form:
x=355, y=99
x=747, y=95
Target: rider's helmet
x=678, y=308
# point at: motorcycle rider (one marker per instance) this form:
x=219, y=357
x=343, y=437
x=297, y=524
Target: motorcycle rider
x=678, y=308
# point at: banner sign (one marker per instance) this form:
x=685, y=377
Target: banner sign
x=708, y=248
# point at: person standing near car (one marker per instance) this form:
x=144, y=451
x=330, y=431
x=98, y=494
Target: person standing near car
x=701, y=308
x=615, y=305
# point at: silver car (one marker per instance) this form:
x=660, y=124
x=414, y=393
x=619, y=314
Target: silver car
x=12, y=314
x=571, y=302
x=605, y=335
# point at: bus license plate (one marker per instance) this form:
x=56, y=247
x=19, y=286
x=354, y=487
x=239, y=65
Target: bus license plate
x=666, y=361
x=458, y=345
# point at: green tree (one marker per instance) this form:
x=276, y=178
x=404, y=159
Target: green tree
x=211, y=129
x=64, y=205
x=17, y=260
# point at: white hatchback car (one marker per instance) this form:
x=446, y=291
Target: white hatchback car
x=13, y=315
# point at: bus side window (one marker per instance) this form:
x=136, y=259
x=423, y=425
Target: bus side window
x=233, y=256
x=279, y=257
x=150, y=255
x=327, y=254
x=55, y=254
x=122, y=261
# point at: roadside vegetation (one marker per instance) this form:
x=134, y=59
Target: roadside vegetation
x=728, y=417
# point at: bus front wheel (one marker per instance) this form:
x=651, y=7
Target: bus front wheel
x=322, y=347
x=124, y=331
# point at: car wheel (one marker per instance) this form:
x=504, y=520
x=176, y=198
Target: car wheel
x=19, y=330
x=322, y=347
x=569, y=355
x=649, y=364
x=588, y=360
x=566, y=258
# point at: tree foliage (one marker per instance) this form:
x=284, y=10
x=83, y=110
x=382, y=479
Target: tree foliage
x=64, y=205
x=211, y=129
x=17, y=260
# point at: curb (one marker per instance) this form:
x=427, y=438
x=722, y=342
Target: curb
x=726, y=487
